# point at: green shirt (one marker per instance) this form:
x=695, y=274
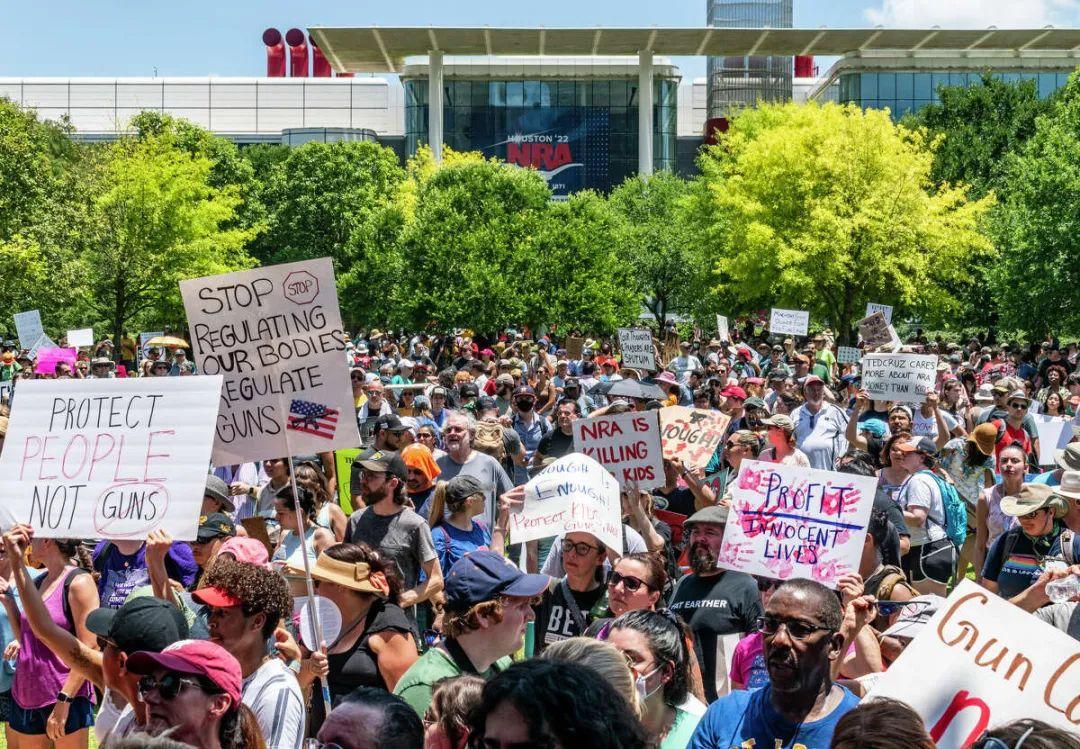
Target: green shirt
x=417, y=684
x=681, y=730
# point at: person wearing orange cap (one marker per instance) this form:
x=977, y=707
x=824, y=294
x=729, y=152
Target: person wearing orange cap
x=422, y=473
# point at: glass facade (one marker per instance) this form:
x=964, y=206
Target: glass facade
x=906, y=91
x=738, y=82
x=550, y=124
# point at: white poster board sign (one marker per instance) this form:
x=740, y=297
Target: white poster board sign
x=884, y=309
x=874, y=330
x=636, y=345
x=981, y=662
x=28, y=328
x=81, y=337
x=905, y=378
x=1054, y=433
x=691, y=434
x=575, y=493
x=109, y=458
x=626, y=444
x=722, y=332
x=848, y=355
x=789, y=321
x=787, y=521
x=275, y=334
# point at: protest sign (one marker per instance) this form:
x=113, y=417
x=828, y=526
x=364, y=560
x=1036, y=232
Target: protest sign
x=275, y=334
x=906, y=378
x=1054, y=433
x=6, y=389
x=28, y=328
x=81, y=337
x=575, y=493
x=48, y=358
x=981, y=662
x=109, y=458
x=626, y=444
x=343, y=460
x=884, y=309
x=42, y=342
x=788, y=521
x=790, y=321
x=636, y=345
x=574, y=346
x=874, y=330
x=722, y=332
x=848, y=355
x=691, y=434
x=717, y=482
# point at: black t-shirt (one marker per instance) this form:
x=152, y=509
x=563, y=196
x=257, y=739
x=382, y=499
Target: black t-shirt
x=360, y=666
x=679, y=499
x=555, y=619
x=555, y=444
x=714, y=606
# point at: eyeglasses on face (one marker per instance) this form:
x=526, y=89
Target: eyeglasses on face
x=770, y=625
x=168, y=687
x=581, y=548
x=1033, y=514
x=632, y=584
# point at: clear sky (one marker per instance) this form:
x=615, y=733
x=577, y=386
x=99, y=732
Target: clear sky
x=198, y=37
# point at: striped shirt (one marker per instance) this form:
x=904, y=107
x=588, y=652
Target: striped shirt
x=273, y=694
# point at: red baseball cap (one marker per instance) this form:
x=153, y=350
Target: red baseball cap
x=811, y=379
x=216, y=597
x=196, y=658
x=733, y=391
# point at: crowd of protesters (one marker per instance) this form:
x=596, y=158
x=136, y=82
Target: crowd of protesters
x=453, y=635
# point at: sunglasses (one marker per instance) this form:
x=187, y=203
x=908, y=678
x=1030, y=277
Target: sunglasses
x=581, y=548
x=1019, y=406
x=632, y=584
x=770, y=625
x=1033, y=514
x=168, y=687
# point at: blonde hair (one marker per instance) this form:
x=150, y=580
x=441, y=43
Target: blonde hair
x=603, y=658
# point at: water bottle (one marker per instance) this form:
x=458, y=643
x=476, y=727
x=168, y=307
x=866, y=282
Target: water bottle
x=1064, y=589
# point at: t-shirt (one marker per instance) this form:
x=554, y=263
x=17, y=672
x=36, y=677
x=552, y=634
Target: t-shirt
x=555, y=444
x=748, y=662
x=555, y=616
x=273, y=694
x=452, y=543
x=482, y=467
x=680, y=500
x=1062, y=616
x=921, y=490
x=403, y=536
x=417, y=684
x=121, y=574
x=723, y=604
x=1015, y=560
x=821, y=434
x=747, y=719
x=926, y=426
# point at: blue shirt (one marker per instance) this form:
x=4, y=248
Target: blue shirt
x=1049, y=478
x=732, y=722
x=451, y=543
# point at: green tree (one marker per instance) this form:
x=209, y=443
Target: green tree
x=826, y=208
x=654, y=242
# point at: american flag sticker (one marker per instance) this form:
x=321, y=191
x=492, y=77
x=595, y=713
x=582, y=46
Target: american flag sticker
x=311, y=418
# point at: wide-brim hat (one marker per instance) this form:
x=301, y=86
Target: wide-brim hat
x=1069, y=486
x=356, y=576
x=1030, y=498
x=1068, y=457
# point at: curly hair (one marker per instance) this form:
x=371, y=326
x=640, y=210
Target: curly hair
x=457, y=624
x=561, y=703
x=260, y=590
x=361, y=552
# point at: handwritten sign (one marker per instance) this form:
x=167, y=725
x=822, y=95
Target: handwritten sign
x=905, y=378
x=884, y=309
x=275, y=335
x=848, y=355
x=48, y=358
x=574, y=346
x=874, y=330
x=1054, y=433
x=81, y=337
x=722, y=332
x=788, y=521
x=626, y=444
x=980, y=662
x=109, y=458
x=691, y=434
x=575, y=493
x=790, y=321
x=28, y=327
x=637, y=348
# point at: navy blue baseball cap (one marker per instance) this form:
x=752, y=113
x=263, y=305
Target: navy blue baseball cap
x=484, y=576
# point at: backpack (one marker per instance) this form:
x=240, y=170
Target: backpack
x=489, y=439
x=955, y=510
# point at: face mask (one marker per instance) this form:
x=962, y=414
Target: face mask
x=641, y=685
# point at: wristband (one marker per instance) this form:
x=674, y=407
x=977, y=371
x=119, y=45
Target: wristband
x=61, y=697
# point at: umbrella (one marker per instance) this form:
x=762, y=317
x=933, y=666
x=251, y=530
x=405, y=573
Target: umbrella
x=167, y=341
x=635, y=389
x=601, y=388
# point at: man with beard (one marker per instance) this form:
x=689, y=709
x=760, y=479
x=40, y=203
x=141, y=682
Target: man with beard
x=800, y=705
x=461, y=459
x=712, y=601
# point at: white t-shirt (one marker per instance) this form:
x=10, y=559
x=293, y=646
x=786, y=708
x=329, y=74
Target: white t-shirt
x=273, y=694
x=113, y=722
x=921, y=490
x=926, y=426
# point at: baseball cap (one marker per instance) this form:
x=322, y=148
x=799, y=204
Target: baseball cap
x=390, y=422
x=754, y=402
x=215, y=525
x=524, y=390
x=385, y=461
x=914, y=616
x=781, y=421
x=711, y=514
x=734, y=391
x=812, y=379
x=246, y=549
x=876, y=427
x=461, y=487
x=195, y=658
x=219, y=490
x=216, y=597
x=572, y=382
x=1030, y=498
x=923, y=445
x=483, y=575
x=439, y=390
x=143, y=623
x=469, y=390
x=485, y=403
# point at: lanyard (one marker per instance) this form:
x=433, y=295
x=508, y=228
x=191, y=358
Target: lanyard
x=572, y=606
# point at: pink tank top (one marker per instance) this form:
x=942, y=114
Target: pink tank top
x=39, y=673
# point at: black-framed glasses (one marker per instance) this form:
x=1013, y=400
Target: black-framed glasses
x=168, y=687
x=1019, y=406
x=770, y=625
x=581, y=548
x=632, y=584
x=1032, y=515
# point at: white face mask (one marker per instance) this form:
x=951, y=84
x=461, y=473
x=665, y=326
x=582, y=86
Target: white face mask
x=641, y=684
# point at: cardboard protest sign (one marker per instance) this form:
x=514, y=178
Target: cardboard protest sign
x=691, y=434
x=275, y=335
x=790, y=321
x=906, y=378
x=575, y=493
x=981, y=662
x=848, y=355
x=1054, y=433
x=884, y=309
x=722, y=332
x=343, y=460
x=574, y=346
x=627, y=444
x=28, y=328
x=48, y=358
x=81, y=337
x=42, y=342
x=788, y=521
x=874, y=330
x=636, y=345
x=109, y=458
